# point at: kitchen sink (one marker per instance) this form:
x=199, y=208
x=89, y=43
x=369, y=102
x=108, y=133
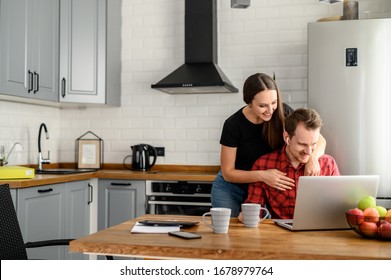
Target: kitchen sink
x=63, y=171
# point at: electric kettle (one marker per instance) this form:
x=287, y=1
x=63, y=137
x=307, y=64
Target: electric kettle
x=143, y=157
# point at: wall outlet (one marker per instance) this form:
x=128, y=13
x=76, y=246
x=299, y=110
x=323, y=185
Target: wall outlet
x=160, y=151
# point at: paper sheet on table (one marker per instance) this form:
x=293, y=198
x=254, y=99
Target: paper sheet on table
x=140, y=228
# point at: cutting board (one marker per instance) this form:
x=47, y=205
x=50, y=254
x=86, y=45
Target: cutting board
x=16, y=172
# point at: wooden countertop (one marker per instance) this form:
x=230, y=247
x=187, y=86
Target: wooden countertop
x=162, y=172
x=267, y=241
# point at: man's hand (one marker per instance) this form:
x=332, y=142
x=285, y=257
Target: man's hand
x=240, y=217
x=312, y=167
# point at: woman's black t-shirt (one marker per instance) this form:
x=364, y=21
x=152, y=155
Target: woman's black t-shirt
x=238, y=132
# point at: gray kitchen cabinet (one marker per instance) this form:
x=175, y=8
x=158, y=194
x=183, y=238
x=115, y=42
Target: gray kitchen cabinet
x=29, y=48
x=41, y=214
x=119, y=201
x=54, y=212
x=77, y=213
x=90, y=51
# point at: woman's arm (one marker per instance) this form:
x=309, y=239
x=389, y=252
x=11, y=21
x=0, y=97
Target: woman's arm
x=271, y=177
x=312, y=167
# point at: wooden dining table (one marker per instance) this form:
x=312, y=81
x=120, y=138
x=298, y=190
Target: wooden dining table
x=266, y=241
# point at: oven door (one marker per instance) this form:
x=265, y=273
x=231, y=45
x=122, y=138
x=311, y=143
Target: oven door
x=178, y=205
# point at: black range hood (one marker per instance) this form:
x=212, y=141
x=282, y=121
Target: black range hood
x=200, y=73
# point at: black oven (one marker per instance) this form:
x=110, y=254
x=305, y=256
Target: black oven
x=178, y=197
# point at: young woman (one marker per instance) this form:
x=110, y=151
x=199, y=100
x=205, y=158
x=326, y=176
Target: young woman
x=254, y=130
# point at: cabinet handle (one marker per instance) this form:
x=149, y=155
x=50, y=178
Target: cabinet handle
x=121, y=184
x=45, y=190
x=63, y=87
x=31, y=81
x=90, y=194
x=37, y=82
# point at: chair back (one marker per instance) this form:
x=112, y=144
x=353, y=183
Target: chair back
x=11, y=240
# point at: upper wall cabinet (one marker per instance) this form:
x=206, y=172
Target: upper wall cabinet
x=29, y=37
x=90, y=51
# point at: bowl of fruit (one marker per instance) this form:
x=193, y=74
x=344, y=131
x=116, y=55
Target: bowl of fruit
x=370, y=220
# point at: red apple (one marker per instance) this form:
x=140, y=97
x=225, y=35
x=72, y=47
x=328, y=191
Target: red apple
x=355, y=216
x=388, y=215
x=369, y=229
x=385, y=230
x=371, y=215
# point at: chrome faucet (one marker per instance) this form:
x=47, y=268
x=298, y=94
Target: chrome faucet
x=4, y=159
x=42, y=160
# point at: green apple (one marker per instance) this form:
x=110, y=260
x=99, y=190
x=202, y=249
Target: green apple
x=382, y=211
x=366, y=202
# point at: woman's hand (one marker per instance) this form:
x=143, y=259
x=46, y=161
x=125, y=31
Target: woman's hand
x=277, y=179
x=312, y=167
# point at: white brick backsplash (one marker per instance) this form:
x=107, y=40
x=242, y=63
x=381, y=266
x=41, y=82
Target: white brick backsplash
x=270, y=36
x=131, y=135
x=208, y=122
x=208, y=99
x=142, y=123
x=164, y=122
x=291, y=11
x=153, y=134
x=175, y=134
x=197, y=111
x=110, y=135
x=98, y=124
x=186, y=123
x=176, y=157
x=197, y=158
x=186, y=146
x=185, y=100
x=197, y=134
x=208, y=146
x=214, y=158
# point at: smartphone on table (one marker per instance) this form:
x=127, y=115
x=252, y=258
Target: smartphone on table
x=185, y=234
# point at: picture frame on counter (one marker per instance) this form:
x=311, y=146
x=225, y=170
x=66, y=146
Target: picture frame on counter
x=89, y=152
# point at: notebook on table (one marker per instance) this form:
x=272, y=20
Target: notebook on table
x=159, y=226
x=321, y=201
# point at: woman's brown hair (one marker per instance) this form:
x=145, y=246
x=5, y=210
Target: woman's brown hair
x=273, y=129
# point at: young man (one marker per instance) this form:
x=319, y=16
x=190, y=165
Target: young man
x=301, y=135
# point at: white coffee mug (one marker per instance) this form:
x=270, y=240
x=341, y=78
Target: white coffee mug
x=251, y=212
x=220, y=219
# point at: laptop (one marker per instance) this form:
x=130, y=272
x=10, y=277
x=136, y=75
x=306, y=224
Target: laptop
x=156, y=223
x=321, y=201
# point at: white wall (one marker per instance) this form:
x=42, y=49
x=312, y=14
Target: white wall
x=20, y=123
x=270, y=36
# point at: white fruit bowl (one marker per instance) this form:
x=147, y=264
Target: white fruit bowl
x=370, y=227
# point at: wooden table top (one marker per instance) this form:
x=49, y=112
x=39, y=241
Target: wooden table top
x=267, y=241
x=159, y=173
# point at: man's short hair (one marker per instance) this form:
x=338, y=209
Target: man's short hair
x=309, y=117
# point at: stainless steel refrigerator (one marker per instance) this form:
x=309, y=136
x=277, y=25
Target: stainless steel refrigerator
x=349, y=84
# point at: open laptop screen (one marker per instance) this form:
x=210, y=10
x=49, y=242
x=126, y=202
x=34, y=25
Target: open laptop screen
x=322, y=201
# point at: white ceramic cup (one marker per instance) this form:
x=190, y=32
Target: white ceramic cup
x=250, y=214
x=220, y=219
